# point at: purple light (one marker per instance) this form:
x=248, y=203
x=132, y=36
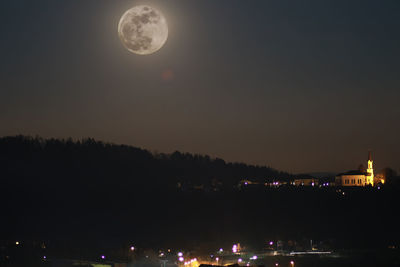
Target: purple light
x=103, y=257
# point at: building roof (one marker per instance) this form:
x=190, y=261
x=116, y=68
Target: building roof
x=353, y=172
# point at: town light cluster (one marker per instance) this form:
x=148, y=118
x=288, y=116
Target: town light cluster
x=192, y=262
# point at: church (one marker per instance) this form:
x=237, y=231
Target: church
x=357, y=177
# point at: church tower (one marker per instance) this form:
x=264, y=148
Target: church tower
x=370, y=170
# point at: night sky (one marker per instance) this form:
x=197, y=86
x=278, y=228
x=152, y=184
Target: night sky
x=297, y=85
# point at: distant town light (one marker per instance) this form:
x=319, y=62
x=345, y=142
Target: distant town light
x=180, y=254
x=17, y=243
x=221, y=250
x=234, y=248
x=44, y=257
x=253, y=258
x=103, y=257
x=132, y=248
x=240, y=260
x=181, y=259
x=217, y=259
x=292, y=263
x=276, y=264
x=271, y=243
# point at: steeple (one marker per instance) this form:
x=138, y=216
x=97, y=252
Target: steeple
x=370, y=169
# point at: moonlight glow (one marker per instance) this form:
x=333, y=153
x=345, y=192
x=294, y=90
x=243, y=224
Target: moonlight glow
x=143, y=30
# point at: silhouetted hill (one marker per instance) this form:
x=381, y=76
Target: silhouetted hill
x=51, y=178
x=90, y=192
x=117, y=167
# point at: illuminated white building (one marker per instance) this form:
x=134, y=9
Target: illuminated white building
x=358, y=177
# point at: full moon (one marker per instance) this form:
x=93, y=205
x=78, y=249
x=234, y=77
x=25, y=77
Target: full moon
x=143, y=30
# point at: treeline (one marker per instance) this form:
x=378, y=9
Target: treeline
x=92, y=163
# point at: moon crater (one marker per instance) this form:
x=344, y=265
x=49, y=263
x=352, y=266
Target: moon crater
x=143, y=30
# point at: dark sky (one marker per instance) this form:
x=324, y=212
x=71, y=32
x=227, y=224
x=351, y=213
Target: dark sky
x=296, y=85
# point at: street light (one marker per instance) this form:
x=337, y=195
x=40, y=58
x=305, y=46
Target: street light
x=234, y=248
